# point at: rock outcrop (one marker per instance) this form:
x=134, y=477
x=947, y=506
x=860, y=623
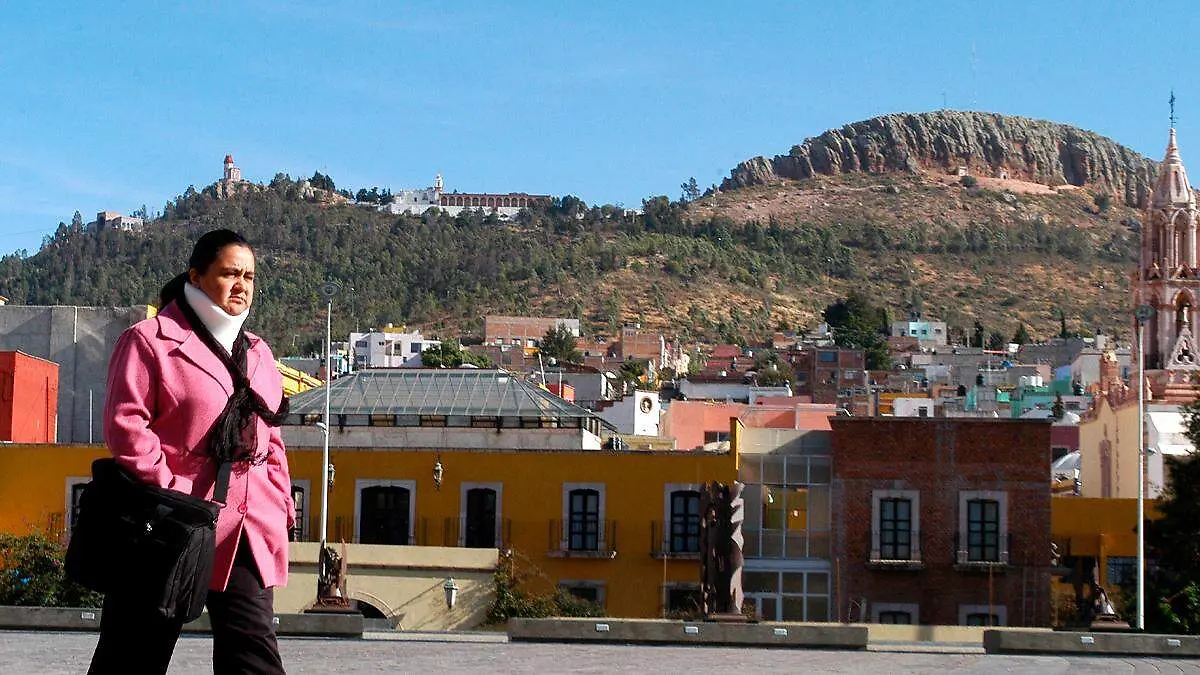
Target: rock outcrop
x=986, y=144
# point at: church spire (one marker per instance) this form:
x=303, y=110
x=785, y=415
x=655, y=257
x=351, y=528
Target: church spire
x=1172, y=187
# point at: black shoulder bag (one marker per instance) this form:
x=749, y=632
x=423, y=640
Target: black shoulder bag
x=150, y=544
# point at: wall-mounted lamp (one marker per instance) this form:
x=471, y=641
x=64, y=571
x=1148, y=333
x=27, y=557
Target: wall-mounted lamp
x=331, y=475
x=437, y=473
x=451, y=590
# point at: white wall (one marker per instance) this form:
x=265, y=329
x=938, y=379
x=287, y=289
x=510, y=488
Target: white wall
x=447, y=437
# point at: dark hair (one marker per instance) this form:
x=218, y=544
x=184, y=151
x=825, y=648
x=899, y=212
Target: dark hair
x=204, y=253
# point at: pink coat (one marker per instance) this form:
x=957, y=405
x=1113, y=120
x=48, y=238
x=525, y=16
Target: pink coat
x=165, y=389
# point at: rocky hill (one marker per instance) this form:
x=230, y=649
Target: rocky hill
x=986, y=144
x=876, y=206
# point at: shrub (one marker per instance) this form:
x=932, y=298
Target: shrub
x=513, y=601
x=32, y=574
x=969, y=181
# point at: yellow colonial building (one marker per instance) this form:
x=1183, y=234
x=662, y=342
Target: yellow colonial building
x=430, y=464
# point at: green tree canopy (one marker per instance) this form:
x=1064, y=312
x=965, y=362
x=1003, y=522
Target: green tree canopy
x=450, y=354
x=1022, y=337
x=560, y=343
x=771, y=370
x=858, y=323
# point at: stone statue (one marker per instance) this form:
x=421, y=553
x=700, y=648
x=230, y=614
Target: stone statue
x=331, y=578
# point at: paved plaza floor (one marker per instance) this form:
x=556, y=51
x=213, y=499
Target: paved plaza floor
x=45, y=653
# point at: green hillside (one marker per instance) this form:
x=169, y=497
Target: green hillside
x=769, y=251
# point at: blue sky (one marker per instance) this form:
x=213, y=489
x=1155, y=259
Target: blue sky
x=109, y=106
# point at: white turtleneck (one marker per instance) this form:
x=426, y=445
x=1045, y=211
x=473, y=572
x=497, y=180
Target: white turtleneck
x=223, y=326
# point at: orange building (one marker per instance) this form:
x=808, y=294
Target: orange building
x=28, y=398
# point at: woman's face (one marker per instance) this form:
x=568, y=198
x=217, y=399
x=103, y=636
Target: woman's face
x=229, y=280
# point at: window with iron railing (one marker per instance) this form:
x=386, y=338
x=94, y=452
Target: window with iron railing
x=895, y=529
x=983, y=530
x=583, y=532
x=685, y=522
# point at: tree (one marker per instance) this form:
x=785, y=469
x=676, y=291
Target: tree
x=691, y=190
x=635, y=373
x=1022, y=337
x=1174, y=542
x=322, y=182
x=770, y=371
x=995, y=341
x=977, y=339
x=560, y=343
x=1062, y=324
x=450, y=354
x=856, y=323
x=1059, y=408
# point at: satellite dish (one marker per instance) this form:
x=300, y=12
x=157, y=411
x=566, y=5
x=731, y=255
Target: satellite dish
x=329, y=290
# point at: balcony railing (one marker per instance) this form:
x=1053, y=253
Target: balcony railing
x=440, y=532
x=882, y=557
x=455, y=533
x=674, y=545
x=56, y=526
x=963, y=559
x=597, y=539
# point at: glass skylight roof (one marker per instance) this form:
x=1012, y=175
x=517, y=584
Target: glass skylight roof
x=411, y=391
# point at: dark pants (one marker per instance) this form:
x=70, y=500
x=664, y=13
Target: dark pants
x=136, y=641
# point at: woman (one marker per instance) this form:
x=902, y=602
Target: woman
x=173, y=412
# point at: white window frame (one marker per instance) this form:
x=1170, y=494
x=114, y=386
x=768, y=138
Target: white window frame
x=306, y=485
x=1000, y=611
x=71, y=482
x=911, y=608
x=601, y=587
x=565, y=533
x=668, y=488
x=963, y=553
x=914, y=497
x=363, y=483
x=464, y=487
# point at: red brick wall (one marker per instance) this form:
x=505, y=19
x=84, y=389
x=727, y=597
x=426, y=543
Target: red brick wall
x=939, y=458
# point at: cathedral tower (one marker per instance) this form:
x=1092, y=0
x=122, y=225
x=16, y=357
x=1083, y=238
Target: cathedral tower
x=1169, y=281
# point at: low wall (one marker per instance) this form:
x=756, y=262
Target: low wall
x=657, y=631
x=402, y=582
x=85, y=619
x=940, y=634
x=1020, y=641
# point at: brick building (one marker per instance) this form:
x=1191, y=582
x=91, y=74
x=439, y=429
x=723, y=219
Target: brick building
x=522, y=331
x=827, y=374
x=942, y=521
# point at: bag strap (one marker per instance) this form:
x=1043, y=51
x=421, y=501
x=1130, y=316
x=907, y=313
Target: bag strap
x=222, y=485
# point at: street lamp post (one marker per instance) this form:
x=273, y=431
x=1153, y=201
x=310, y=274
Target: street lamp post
x=1143, y=314
x=328, y=291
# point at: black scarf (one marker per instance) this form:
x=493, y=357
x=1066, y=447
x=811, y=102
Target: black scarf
x=234, y=434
